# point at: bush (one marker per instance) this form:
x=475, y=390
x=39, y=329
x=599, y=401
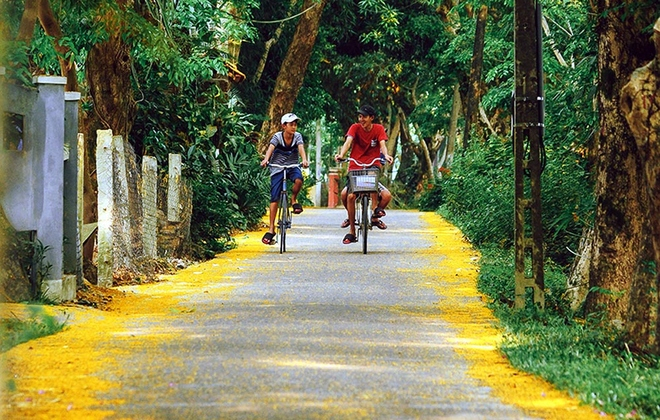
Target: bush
x=431, y=198
x=231, y=195
x=478, y=195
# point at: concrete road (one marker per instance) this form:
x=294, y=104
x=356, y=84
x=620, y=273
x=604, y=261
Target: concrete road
x=321, y=331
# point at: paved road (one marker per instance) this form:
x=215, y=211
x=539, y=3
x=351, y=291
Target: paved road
x=322, y=331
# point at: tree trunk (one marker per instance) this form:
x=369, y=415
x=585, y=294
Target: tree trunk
x=52, y=28
x=425, y=152
x=618, y=276
x=577, y=284
x=453, y=125
x=292, y=73
x=407, y=167
x=28, y=20
x=640, y=103
x=108, y=73
x=42, y=9
x=268, y=45
x=474, y=87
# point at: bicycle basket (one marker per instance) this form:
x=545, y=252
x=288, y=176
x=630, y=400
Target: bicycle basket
x=364, y=180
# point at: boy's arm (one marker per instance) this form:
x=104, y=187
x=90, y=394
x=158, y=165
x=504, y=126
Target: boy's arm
x=383, y=150
x=344, y=148
x=269, y=153
x=303, y=155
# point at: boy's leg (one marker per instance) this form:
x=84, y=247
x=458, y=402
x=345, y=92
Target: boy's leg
x=350, y=201
x=384, y=198
x=273, y=215
x=344, y=195
x=275, y=191
x=297, y=185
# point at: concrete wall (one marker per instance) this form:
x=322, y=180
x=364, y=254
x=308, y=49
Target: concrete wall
x=33, y=198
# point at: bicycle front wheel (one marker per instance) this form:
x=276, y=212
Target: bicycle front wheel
x=282, y=221
x=364, y=225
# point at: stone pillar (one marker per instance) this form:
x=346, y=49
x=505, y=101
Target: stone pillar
x=121, y=224
x=80, y=187
x=104, y=176
x=72, y=271
x=48, y=143
x=150, y=206
x=174, y=189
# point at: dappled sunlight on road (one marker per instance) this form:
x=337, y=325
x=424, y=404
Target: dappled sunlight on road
x=328, y=344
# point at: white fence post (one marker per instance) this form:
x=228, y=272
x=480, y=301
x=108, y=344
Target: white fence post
x=174, y=189
x=149, y=206
x=104, y=173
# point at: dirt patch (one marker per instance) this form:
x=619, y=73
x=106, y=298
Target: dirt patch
x=147, y=271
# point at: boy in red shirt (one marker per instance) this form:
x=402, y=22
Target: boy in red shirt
x=367, y=142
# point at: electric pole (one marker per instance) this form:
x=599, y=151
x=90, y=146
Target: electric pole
x=529, y=152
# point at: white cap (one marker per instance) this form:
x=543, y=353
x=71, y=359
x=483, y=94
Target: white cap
x=290, y=117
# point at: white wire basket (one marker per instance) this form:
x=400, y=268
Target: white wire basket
x=364, y=180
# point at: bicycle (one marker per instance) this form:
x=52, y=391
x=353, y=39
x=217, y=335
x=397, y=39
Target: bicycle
x=283, y=210
x=363, y=183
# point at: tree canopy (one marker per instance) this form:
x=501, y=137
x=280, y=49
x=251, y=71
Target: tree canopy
x=200, y=78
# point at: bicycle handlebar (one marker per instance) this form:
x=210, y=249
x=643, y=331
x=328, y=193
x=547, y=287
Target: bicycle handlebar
x=274, y=165
x=364, y=165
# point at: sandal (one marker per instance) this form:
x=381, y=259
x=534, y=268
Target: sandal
x=379, y=212
x=346, y=223
x=378, y=223
x=297, y=208
x=269, y=238
x=349, y=239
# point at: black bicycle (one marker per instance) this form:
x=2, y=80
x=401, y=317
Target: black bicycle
x=283, y=210
x=363, y=183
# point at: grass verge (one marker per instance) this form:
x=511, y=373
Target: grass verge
x=15, y=330
x=575, y=354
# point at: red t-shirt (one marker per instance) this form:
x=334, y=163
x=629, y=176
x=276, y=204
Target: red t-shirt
x=366, y=144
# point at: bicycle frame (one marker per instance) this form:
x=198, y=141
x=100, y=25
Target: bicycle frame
x=363, y=206
x=283, y=210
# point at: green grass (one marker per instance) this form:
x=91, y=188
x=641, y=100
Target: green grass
x=591, y=363
x=14, y=331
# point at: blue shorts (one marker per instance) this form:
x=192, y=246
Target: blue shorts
x=276, y=182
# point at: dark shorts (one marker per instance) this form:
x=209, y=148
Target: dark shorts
x=276, y=182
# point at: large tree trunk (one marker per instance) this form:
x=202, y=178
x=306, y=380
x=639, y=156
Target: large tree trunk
x=621, y=227
x=108, y=73
x=292, y=73
x=640, y=103
x=474, y=87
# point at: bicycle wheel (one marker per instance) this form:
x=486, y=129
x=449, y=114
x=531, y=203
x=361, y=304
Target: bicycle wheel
x=358, y=218
x=364, y=225
x=282, y=221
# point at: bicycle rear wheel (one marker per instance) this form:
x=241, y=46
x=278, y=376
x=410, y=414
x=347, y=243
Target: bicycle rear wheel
x=364, y=225
x=282, y=221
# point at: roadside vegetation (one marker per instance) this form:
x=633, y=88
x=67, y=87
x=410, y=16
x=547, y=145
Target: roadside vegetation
x=16, y=329
x=578, y=352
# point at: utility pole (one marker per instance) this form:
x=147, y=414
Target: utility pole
x=529, y=153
